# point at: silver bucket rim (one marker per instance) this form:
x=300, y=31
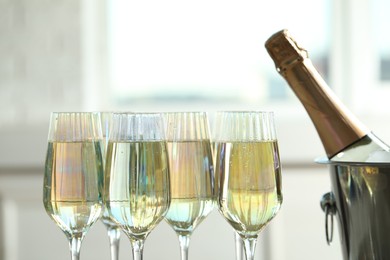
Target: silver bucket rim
x=325, y=160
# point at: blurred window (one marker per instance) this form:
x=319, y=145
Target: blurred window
x=380, y=22
x=208, y=50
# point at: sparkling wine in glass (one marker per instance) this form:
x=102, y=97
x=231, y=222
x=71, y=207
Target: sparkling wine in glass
x=136, y=185
x=73, y=179
x=113, y=229
x=247, y=161
x=191, y=175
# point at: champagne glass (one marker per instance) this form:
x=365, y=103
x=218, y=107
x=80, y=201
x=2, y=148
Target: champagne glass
x=191, y=165
x=247, y=161
x=113, y=229
x=73, y=179
x=136, y=185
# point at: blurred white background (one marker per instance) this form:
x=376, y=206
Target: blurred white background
x=70, y=55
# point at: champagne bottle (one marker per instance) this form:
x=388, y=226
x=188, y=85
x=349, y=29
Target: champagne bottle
x=343, y=136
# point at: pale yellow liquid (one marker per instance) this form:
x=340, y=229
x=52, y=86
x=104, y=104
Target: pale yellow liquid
x=137, y=193
x=76, y=217
x=191, y=175
x=185, y=215
x=250, y=185
x=106, y=217
x=73, y=185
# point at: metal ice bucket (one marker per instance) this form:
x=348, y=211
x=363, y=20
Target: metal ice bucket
x=360, y=198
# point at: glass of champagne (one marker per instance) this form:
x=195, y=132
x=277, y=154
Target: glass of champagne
x=191, y=173
x=136, y=185
x=247, y=161
x=73, y=179
x=113, y=229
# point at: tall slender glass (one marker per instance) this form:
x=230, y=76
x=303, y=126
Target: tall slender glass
x=191, y=164
x=73, y=179
x=247, y=161
x=113, y=229
x=136, y=185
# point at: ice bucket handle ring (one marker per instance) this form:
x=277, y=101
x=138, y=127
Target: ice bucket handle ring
x=328, y=205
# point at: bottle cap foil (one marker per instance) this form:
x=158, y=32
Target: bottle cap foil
x=284, y=50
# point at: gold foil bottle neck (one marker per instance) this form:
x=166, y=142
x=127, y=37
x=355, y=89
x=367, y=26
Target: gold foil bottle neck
x=284, y=50
x=335, y=124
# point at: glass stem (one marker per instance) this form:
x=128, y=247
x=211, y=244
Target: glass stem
x=138, y=248
x=239, y=247
x=114, y=236
x=250, y=245
x=75, y=245
x=184, y=241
